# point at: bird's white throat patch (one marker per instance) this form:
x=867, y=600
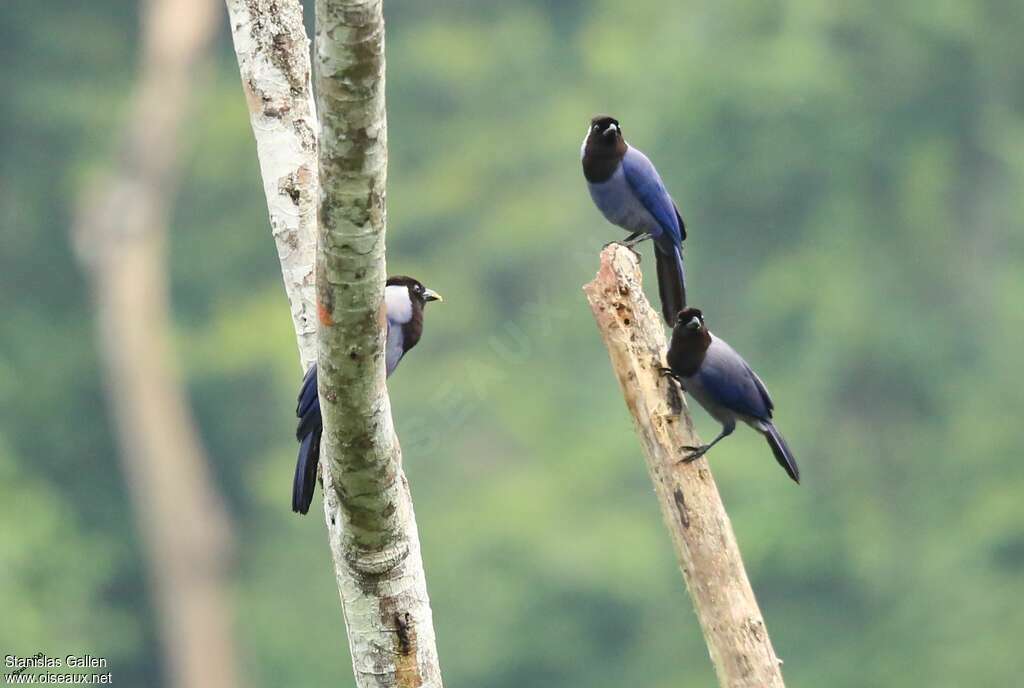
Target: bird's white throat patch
x=398, y=303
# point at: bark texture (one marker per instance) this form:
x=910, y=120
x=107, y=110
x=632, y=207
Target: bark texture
x=369, y=509
x=273, y=59
x=120, y=238
x=690, y=504
x=368, y=506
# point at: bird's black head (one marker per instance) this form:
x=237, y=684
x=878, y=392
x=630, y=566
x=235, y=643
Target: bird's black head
x=404, y=301
x=691, y=319
x=606, y=127
x=690, y=342
x=418, y=294
x=603, y=148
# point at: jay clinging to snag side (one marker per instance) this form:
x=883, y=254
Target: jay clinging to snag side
x=404, y=301
x=722, y=382
x=629, y=192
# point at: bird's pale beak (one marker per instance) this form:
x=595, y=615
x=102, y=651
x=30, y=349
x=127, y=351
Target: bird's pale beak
x=431, y=295
x=612, y=128
x=694, y=323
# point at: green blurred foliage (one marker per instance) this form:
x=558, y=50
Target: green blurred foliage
x=851, y=178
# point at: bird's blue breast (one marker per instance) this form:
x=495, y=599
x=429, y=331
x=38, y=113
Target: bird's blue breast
x=619, y=204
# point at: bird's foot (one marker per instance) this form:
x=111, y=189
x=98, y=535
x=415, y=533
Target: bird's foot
x=635, y=238
x=668, y=372
x=631, y=247
x=694, y=453
x=624, y=245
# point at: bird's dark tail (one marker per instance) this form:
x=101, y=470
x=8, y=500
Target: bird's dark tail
x=781, y=450
x=305, y=473
x=308, y=434
x=671, y=282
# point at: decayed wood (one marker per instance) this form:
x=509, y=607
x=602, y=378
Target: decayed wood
x=273, y=59
x=369, y=510
x=690, y=504
x=120, y=238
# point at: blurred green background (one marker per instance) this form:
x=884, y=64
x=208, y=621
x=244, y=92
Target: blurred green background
x=852, y=179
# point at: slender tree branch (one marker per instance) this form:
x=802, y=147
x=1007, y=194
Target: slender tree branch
x=120, y=238
x=273, y=59
x=690, y=505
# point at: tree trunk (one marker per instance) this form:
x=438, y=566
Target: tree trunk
x=368, y=508
x=120, y=238
x=273, y=58
x=690, y=505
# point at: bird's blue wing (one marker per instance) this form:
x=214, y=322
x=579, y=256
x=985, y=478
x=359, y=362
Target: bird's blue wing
x=761, y=389
x=307, y=393
x=729, y=380
x=308, y=408
x=645, y=182
x=679, y=219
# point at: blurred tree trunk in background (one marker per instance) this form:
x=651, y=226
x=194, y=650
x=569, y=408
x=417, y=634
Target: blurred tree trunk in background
x=120, y=236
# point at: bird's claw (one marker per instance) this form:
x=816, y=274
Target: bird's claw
x=668, y=372
x=694, y=453
x=624, y=244
x=635, y=238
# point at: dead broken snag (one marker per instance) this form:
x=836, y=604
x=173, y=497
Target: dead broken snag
x=691, y=507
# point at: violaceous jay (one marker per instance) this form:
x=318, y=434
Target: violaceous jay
x=404, y=301
x=721, y=381
x=629, y=192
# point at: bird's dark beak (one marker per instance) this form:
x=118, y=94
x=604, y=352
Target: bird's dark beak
x=431, y=295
